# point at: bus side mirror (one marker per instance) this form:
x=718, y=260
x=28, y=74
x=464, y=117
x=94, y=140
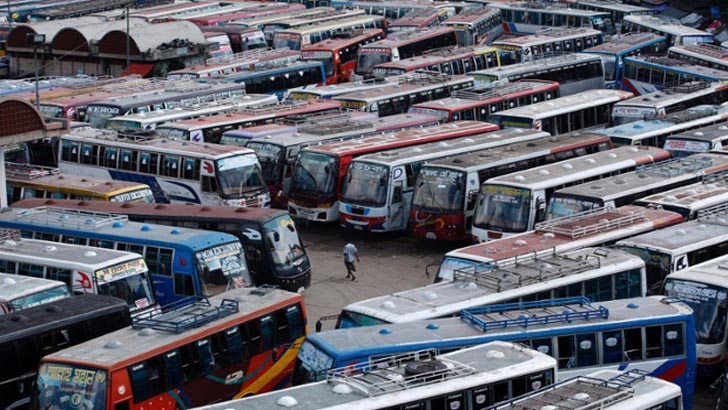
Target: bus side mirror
x=276, y=236
x=472, y=198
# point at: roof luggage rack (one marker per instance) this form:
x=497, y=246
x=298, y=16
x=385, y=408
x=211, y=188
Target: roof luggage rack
x=675, y=166
x=714, y=214
x=718, y=178
x=560, y=226
x=62, y=217
x=424, y=76
x=182, y=318
x=28, y=171
x=486, y=91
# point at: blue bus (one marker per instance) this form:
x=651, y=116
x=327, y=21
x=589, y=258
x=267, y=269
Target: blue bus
x=656, y=334
x=618, y=47
x=184, y=263
x=279, y=79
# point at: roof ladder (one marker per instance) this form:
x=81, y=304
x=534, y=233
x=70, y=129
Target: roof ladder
x=186, y=317
x=557, y=225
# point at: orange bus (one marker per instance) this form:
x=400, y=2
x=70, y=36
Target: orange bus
x=338, y=54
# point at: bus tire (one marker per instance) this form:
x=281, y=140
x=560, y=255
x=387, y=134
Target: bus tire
x=418, y=368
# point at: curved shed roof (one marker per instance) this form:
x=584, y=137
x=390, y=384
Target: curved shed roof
x=17, y=37
x=78, y=38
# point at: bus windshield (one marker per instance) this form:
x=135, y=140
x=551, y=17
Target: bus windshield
x=62, y=386
x=709, y=307
x=366, y=184
x=239, y=174
x=610, y=66
x=352, y=319
x=282, y=238
x=120, y=125
x=449, y=266
x=368, y=58
x=223, y=268
x=311, y=363
x=39, y=298
x=657, y=264
x=134, y=288
x=271, y=160
x=564, y=206
x=439, y=190
x=697, y=39
x=503, y=208
x=314, y=173
x=325, y=57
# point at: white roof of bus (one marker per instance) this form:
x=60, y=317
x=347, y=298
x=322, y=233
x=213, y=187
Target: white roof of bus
x=447, y=298
x=664, y=24
x=548, y=36
x=712, y=191
x=479, y=95
x=562, y=105
x=713, y=271
x=438, y=56
x=680, y=65
x=398, y=122
x=17, y=286
x=337, y=89
x=546, y=8
x=326, y=25
x=537, y=65
x=612, y=5
x=597, y=163
x=62, y=255
x=405, y=85
x=706, y=51
x=470, y=15
x=258, y=20
x=668, y=97
x=178, y=91
x=708, y=134
x=318, y=133
x=624, y=42
x=403, y=37
x=680, y=120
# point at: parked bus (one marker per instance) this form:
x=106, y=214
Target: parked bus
x=320, y=171
x=28, y=335
x=644, y=75
x=607, y=389
x=208, y=174
x=183, y=262
x=701, y=139
x=273, y=249
x=689, y=200
x=422, y=18
x=703, y=54
x=278, y=79
x=620, y=46
x=250, y=11
x=297, y=38
x=676, y=33
x=481, y=25
x=409, y=89
x=459, y=60
x=557, y=327
x=322, y=18
x=617, y=10
x=338, y=54
x=584, y=110
x=465, y=379
x=107, y=272
x=514, y=203
x=32, y=181
x=377, y=191
x=574, y=72
x=217, y=66
x=660, y=103
x=394, y=10
x=479, y=102
x=211, y=129
x=528, y=18
x=259, y=22
x=74, y=107
x=547, y=42
x=234, y=345
x=328, y=92
x=399, y=46
x=23, y=292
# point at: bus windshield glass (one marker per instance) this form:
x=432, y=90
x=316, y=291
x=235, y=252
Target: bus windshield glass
x=657, y=264
x=314, y=173
x=503, y=208
x=697, y=39
x=709, y=307
x=610, y=66
x=283, y=239
x=352, y=319
x=239, y=174
x=120, y=125
x=271, y=160
x=449, y=266
x=312, y=362
x=97, y=115
x=564, y=206
x=128, y=281
x=325, y=57
x=223, y=268
x=62, y=386
x=439, y=190
x=366, y=184
x=369, y=57
x=39, y=298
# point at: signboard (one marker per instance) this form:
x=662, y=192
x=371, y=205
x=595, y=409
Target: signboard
x=123, y=270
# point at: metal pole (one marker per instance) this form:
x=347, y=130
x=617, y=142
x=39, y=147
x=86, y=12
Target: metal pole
x=127, y=40
x=37, y=90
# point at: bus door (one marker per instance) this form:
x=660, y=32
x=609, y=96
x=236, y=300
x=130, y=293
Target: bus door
x=396, y=214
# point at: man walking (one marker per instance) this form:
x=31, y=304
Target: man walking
x=351, y=254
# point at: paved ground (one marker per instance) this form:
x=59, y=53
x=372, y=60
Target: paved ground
x=389, y=263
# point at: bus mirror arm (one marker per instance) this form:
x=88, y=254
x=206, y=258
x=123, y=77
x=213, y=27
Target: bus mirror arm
x=430, y=265
x=322, y=319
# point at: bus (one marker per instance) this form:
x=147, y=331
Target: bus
x=607, y=390
x=330, y=91
x=394, y=10
x=241, y=343
x=443, y=202
x=464, y=379
x=32, y=181
x=528, y=18
x=701, y=139
x=617, y=10
x=184, y=92
x=270, y=28
x=479, y=102
x=398, y=46
x=319, y=172
x=183, y=262
x=377, y=192
x=703, y=54
x=421, y=18
x=338, y=54
x=624, y=189
x=575, y=72
x=644, y=75
x=547, y=42
x=585, y=110
x=620, y=46
x=556, y=327
x=480, y=25
x=212, y=128
x=676, y=33
x=660, y=103
x=23, y=292
x=278, y=79
x=108, y=272
x=409, y=89
x=273, y=249
x=258, y=22
x=74, y=107
x=296, y=38
x=514, y=203
x=182, y=171
x=28, y=335
x=222, y=18
x=689, y=200
x=216, y=66
x=459, y=60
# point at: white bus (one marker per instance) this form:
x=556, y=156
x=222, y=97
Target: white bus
x=547, y=42
x=704, y=54
x=528, y=17
x=466, y=379
x=297, y=38
x=691, y=199
x=618, y=10
x=675, y=32
x=183, y=171
x=585, y=110
x=22, y=292
x=378, y=189
x=84, y=269
x=699, y=140
x=514, y=203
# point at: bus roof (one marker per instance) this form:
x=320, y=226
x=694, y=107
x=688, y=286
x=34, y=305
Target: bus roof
x=613, y=5
x=706, y=134
x=537, y=64
x=399, y=39
x=260, y=20
x=342, y=39
x=62, y=255
x=713, y=271
x=239, y=59
x=664, y=24
x=51, y=177
x=561, y=105
x=556, y=8
x=398, y=122
x=548, y=35
x=263, y=131
x=416, y=17
x=121, y=348
x=172, y=93
x=437, y=56
x=712, y=191
x=680, y=65
x=18, y=286
x=331, y=90
x=672, y=96
x=446, y=298
x=327, y=25
x=320, y=132
x=644, y=128
x=471, y=15
x=625, y=43
x=702, y=50
x=405, y=85
x=481, y=95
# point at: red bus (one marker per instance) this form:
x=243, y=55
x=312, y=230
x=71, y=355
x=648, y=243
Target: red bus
x=338, y=54
x=480, y=102
x=320, y=171
x=459, y=60
x=420, y=19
